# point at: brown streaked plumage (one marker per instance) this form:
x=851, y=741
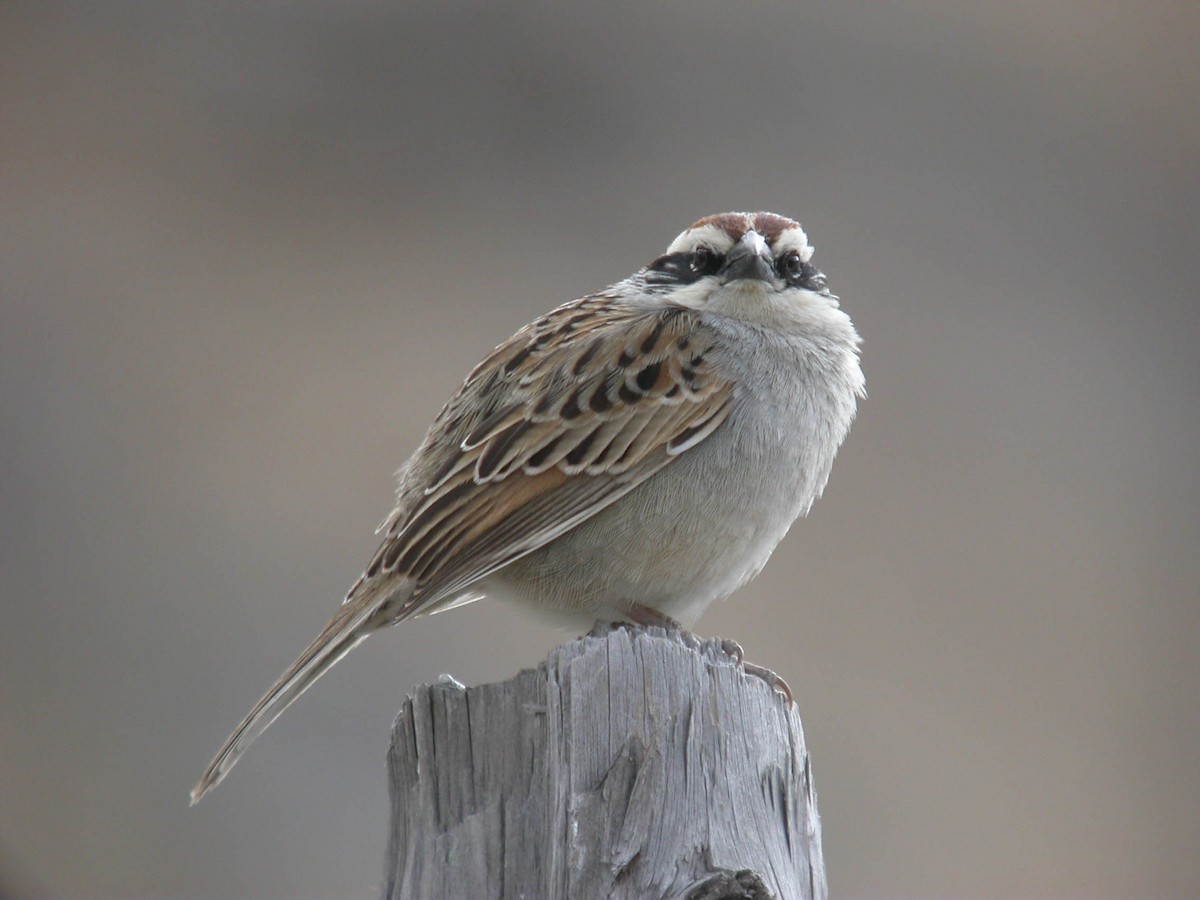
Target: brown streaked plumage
x=497, y=475
x=710, y=389
x=769, y=225
x=646, y=400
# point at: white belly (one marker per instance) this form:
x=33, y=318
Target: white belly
x=693, y=533
x=704, y=525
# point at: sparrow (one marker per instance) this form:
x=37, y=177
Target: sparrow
x=630, y=456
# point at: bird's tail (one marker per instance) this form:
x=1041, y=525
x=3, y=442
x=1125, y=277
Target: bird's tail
x=345, y=631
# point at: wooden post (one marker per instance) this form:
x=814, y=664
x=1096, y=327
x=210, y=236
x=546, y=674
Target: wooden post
x=630, y=764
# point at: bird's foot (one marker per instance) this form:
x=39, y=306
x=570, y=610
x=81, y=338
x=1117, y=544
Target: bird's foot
x=775, y=681
x=644, y=616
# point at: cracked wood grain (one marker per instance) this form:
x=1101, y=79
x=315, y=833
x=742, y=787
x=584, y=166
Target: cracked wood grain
x=632, y=763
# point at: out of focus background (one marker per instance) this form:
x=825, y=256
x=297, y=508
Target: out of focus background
x=248, y=250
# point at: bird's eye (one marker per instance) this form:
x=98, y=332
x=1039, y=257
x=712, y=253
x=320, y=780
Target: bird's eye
x=792, y=267
x=703, y=261
x=683, y=267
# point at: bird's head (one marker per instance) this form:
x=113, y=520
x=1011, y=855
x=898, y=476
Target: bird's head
x=745, y=265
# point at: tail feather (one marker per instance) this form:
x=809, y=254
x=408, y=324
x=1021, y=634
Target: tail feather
x=348, y=628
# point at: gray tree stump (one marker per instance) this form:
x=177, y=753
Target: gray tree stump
x=630, y=764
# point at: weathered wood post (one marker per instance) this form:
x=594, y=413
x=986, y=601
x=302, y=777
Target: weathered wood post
x=629, y=764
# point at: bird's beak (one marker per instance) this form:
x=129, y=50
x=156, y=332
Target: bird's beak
x=751, y=258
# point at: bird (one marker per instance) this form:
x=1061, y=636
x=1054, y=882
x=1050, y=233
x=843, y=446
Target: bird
x=631, y=456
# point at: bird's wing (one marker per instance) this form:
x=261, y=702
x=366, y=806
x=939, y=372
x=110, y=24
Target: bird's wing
x=561, y=420
x=567, y=416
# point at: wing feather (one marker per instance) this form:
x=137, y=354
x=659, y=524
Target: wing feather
x=566, y=417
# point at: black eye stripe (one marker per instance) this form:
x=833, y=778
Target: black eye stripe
x=676, y=268
x=790, y=266
x=799, y=273
x=672, y=263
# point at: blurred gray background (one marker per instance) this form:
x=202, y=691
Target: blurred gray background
x=248, y=250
